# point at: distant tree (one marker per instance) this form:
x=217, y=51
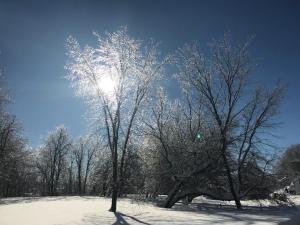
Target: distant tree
x=116, y=78
x=79, y=154
x=101, y=176
x=133, y=175
x=84, y=152
x=69, y=175
x=17, y=175
x=241, y=113
x=51, y=160
x=15, y=165
x=288, y=167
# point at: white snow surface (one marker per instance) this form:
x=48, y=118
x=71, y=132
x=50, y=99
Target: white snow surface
x=94, y=211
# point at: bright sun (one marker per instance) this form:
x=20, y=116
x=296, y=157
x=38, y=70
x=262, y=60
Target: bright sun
x=107, y=85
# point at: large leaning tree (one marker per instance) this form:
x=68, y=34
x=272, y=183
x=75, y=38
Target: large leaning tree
x=116, y=79
x=182, y=143
x=242, y=113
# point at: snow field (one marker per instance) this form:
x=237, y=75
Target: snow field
x=94, y=211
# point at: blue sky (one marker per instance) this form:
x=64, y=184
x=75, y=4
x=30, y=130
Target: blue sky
x=33, y=34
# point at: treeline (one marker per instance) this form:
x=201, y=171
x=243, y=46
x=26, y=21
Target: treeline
x=177, y=160
x=179, y=157
x=16, y=159
x=61, y=166
x=211, y=140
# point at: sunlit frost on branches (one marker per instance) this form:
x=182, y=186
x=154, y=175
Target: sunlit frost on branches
x=116, y=78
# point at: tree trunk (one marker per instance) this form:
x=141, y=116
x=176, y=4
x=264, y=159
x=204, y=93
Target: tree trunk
x=85, y=180
x=79, y=180
x=121, y=186
x=231, y=184
x=84, y=186
x=114, y=197
x=170, y=199
x=121, y=175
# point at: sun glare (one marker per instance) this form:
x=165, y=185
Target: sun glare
x=107, y=85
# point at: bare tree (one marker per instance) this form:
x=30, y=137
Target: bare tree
x=101, y=174
x=116, y=78
x=84, y=152
x=16, y=170
x=78, y=153
x=242, y=116
x=51, y=159
x=15, y=167
x=182, y=140
x=288, y=166
x=70, y=175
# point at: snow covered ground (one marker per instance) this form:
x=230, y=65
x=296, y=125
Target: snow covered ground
x=93, y=211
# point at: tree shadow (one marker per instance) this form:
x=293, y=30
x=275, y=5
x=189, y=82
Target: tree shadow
x=121, y=221
x=249, y=214
x=293, y=220
x=200, y=207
